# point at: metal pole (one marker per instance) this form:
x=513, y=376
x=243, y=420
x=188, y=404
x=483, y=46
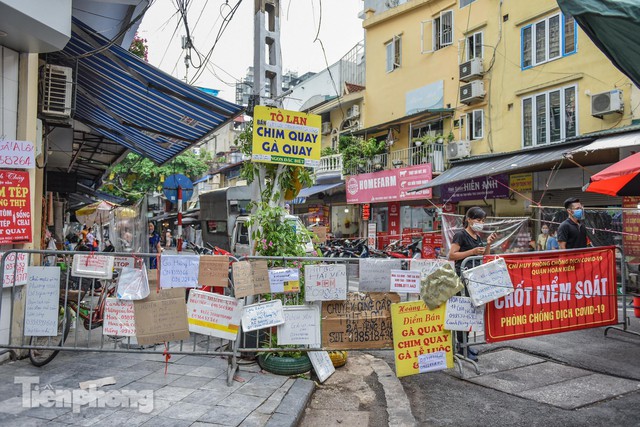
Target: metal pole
x=179, y=241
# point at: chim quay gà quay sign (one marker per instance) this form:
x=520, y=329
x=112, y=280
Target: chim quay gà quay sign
x=286, y=137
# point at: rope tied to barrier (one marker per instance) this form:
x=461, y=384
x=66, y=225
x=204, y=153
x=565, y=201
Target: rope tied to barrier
x=167, y=356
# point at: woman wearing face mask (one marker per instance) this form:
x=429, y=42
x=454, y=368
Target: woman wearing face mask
x=467, y=242
x=572, y=233
x=543, y=237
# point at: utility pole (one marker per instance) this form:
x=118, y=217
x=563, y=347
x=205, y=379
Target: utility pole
x=267, y=56
x=186, y=46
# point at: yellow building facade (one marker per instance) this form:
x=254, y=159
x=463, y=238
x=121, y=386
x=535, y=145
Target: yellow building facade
x=497, y=32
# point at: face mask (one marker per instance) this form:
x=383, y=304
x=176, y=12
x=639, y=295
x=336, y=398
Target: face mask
x=477, y=226
x=545, y=231
x=577, y=214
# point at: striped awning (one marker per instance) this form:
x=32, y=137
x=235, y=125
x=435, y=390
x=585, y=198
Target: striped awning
x=129, y=101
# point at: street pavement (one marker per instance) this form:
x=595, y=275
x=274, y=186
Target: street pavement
x=192, y=392
x=562, y=379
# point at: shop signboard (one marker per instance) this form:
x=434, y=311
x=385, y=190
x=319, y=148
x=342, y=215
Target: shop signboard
x=389, y=185
x=431, y=245
x=286, y=137
x=521, y=182
x=15, y=207
x=485, y=187
x=366, y=211
x=394, y=221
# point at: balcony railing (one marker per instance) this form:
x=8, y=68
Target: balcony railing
x=430, y=153
x=330, y=165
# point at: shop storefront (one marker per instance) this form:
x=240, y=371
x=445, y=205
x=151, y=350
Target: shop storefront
x=395, y=213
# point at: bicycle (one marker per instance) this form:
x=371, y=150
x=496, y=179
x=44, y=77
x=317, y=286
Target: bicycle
x=80, y=303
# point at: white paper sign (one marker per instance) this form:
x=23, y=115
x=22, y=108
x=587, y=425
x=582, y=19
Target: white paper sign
x=42, y=306
x=405, y=281
x=436, y=361
x=462, y=315
x=123, y=261
x=322, y=364
x=375, y=274
x=17, y=154
x=488, y=282
x=93, y=266
x=262, y=315
x=11, y=268
x=179, y=271
x=301, y=326
x=213, y=314
x=119, y=319
x=325, y=282
x=428, y=266
x=278, y=276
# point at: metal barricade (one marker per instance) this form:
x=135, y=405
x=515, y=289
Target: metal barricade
x=81, y=304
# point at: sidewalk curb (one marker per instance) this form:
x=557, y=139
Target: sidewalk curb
x=398, y=406
x=290, y=410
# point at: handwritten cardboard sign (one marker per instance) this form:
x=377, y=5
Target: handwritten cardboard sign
x=405, y=281
x=325, y=282
x=14, y=273
x=363, y=320
x=214, y=271
x=418, y=331
x=301, y=326
x=242, y=279
x=119, y=318
x=161, y=317
x=322, y=364
x=93, y=266
x=260, y=275
x=179, y=271
x=43, y=294
x=488, y=282
x=15, y=207
x=375, y=274
x=462, y=315
x=262, y=315
x=17, y=154
x=278, y=278
x=320, y=234
x=213, y=314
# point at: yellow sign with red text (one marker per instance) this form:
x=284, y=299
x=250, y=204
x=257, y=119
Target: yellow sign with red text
x=286, y=137
x=420, y=342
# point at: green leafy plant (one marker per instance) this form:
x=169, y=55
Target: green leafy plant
x=271, y=341
x=328, y=151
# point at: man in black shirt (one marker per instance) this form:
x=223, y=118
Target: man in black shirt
x=572, y=233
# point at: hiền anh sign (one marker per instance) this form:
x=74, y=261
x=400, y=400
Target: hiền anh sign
x=555, y=291
x=286, y=137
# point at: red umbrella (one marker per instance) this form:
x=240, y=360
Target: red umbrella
x=619, y=179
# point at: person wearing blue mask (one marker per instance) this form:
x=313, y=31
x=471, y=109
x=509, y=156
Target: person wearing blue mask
x=572, y=233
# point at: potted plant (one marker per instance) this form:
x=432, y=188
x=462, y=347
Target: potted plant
x=283, y=361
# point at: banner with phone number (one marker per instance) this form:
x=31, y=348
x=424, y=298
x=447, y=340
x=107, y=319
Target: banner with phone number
x=556, y=291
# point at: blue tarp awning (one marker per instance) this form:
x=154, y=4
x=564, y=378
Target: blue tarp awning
x=310, y=191
x=204, y=178
x=129, y=101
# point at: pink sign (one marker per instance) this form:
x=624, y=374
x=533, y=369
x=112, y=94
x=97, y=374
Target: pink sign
x=389, y=185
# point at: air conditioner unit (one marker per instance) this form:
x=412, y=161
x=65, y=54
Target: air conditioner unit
x=326, y=128
x=458, y=149
x=472, y=92
x=471, y=70
x=353, y=111
x=607, y=103
x=57, y=87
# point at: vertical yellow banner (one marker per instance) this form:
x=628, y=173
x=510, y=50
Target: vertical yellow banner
x=420, y=342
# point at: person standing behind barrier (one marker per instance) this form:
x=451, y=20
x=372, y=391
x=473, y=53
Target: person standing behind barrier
x=154, y=245
x=572, y=233
x=467, y=242
x=552, y=241
x=543, y=237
